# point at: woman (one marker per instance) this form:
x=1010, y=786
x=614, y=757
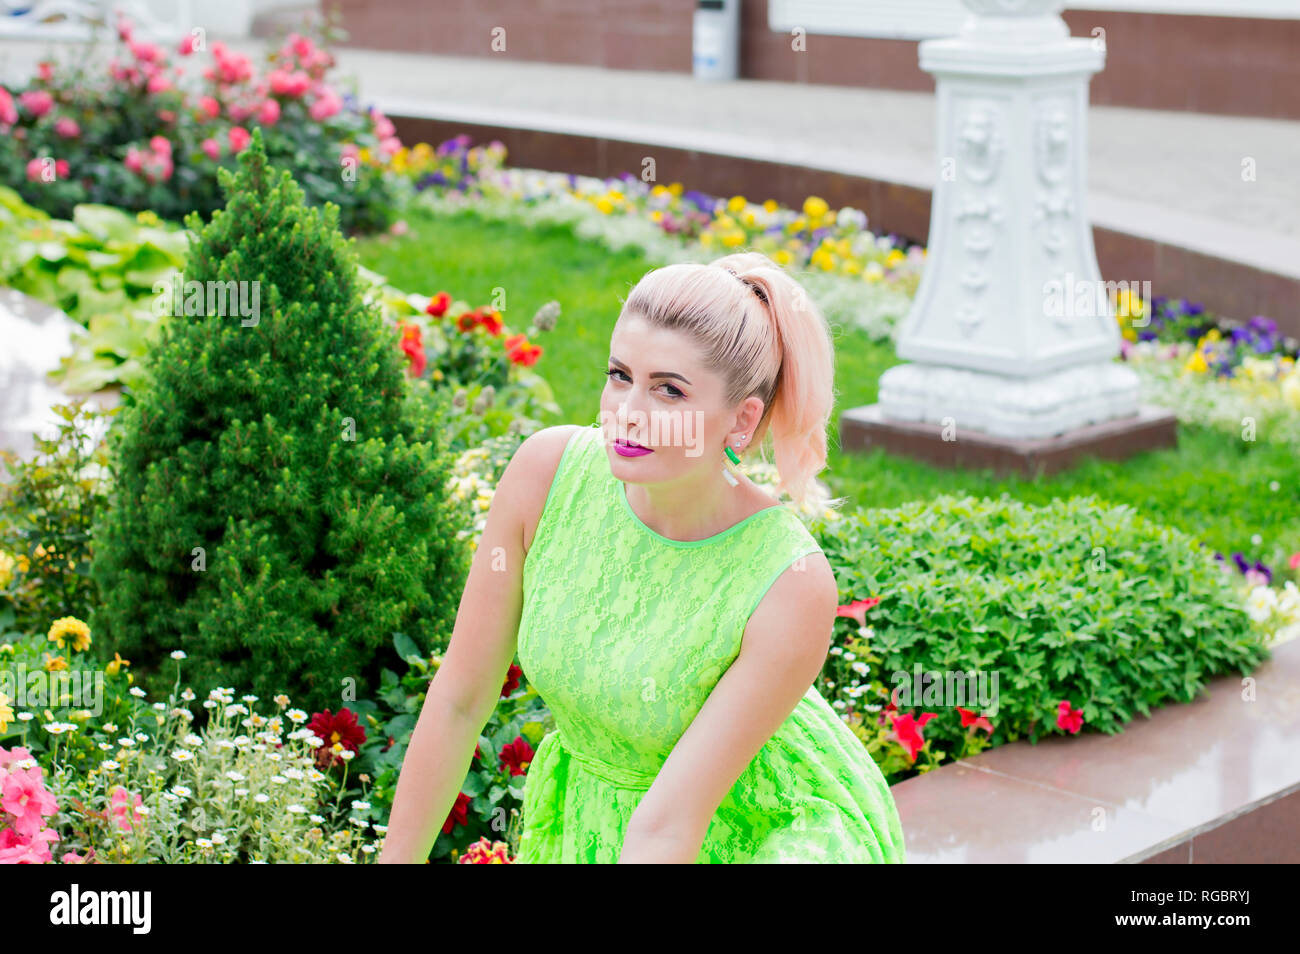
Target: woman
x=671, y=614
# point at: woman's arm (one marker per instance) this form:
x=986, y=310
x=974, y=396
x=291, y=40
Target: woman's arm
x=783, y=649
x=467, y=685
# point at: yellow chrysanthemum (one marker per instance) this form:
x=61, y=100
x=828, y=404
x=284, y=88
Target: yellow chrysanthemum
x=69, y=627
x=815, y=207
x=55, y=663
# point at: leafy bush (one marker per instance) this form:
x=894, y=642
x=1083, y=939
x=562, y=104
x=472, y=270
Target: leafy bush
x=1076, y=600
x=47, y=511
x=280, y=509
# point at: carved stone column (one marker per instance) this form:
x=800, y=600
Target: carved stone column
x=1012, y=332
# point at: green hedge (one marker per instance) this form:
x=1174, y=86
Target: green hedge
x=1075, y=600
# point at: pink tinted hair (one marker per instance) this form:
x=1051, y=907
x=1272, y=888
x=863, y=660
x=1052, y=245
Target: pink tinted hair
x=780, y=351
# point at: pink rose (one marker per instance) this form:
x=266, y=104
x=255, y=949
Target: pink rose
x=8, y=112
x=239, y=138
x=212, y=148
x=284, y=83
x=161, y=145
x=37, y=102
x=134, y=160
x=66, y=127
x=159, y=83
x=46, y=70
x=327, y=105
x=146, y=52
x=209, y=107
x=35, y=168
x=61, y=168
x=187, y=45
x=268, y=112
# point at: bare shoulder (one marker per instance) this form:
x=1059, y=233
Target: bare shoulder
x=806, y=593
x=532, y=470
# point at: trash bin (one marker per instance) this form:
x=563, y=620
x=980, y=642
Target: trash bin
x=716, y=39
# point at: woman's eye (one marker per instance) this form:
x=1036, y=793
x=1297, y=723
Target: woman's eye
x=676, y=393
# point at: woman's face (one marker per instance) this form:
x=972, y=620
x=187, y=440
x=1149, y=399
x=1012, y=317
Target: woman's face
x=658, y=395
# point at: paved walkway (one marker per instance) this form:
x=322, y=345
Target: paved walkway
x=1174, y=177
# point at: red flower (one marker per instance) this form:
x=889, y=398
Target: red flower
x=1068, y=718
x=438, y=304
x=341, y=728
x=478, y=754
x=858, y=609
x=459, y=814
x=907, y=730
x=466, y=321
x=413, y=347
x=517, y=755
x=970, y=718
x=491, y=322
x=520, y=351
x=512, y=680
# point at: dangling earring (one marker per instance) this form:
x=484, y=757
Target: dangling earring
x=729, y=470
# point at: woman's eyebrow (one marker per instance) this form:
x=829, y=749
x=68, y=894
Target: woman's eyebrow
x=653, y=374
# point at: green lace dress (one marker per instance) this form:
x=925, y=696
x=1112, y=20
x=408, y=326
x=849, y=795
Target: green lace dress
x=624, y=633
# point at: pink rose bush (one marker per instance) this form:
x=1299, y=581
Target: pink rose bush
x=152, y=134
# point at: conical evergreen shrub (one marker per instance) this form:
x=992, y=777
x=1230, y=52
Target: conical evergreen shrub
x=279, y=506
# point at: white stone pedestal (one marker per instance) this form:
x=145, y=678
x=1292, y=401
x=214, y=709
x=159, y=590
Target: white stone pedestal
x=1012, y=332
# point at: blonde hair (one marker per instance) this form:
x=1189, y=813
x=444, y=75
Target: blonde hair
x=759, y=329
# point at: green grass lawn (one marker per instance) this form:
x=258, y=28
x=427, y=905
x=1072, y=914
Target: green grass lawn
x=1213, y=486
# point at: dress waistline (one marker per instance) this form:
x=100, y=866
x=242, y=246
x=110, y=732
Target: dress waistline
x=618, y=775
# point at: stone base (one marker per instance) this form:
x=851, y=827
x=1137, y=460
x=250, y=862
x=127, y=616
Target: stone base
x=866, y=428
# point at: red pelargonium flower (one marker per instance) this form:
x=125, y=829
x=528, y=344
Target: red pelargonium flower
x=438, y=304
x=907, y=730
x=458, y=815
x=466, y=321
x=1069, y=718
x=512, y=680
x=858, y=609
x=521, y=352
x=336, y=728
x=413, y=347
x=517, y=756
x=969, y=718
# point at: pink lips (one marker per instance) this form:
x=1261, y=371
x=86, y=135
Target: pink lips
x=628, y=449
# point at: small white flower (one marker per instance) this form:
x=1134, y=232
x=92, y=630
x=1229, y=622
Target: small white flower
x=182, y=755
x=296, y=809
x=142, y=809
x=347, y=755
x=241, y=740
x=344, y=859
x=178, y=654
x=314, y=776
x=850, y=656
x=250, y=698
x=273, y=756
x=297, y=715
x=235, y=776
x=192, y=740
x=361, y=806
x=294, y=773
x=281, y=700
x=279, y=779
x=141, y=737
x=1256, y=539
x=860, y=668
x=317, y=819
x=109, y=764
x=359, y=822
x=171, y=797
x=188, y=694
x=218, y=838
x=203, y=843
x=182, y=790
x=236, y=709
x=223, y=744
x=241, y=792
x=368, y=849
x=28, y=717
x=261, y=798
x=160, y=707
x=209, y=704
x=137, y=692
x=382, y=829
x=1273, y=485
x=836, y=651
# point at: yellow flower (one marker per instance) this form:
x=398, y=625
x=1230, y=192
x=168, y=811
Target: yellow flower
x=734, y=238
x=1129, y=305
x=815, y=207
x=798, y=225
x=7, y=564
x=116, y=665
x=1291, y=390
x=747, y=217
x=783, y=257
x=70, y=626
x=706, y=239
x=851, y=266
x=6, y=714
x=55, y=663
x=736, y=203
x=770, y=206
x=822, y=259
x=1197, y=362
x=148, y=217
x=604, y=205
x=363, y=154
x=657, y=215
x=893, y=258
x=675, y=188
